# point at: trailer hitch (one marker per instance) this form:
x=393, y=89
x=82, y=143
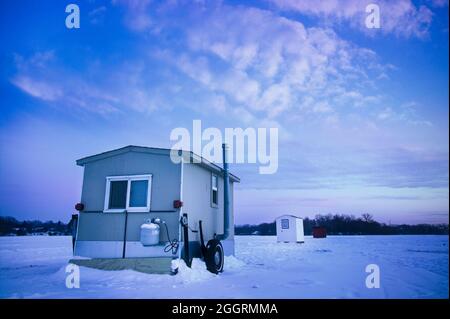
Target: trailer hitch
x=202, y=241
x=186, y=257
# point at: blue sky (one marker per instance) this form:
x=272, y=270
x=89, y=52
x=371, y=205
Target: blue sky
x=362, y=114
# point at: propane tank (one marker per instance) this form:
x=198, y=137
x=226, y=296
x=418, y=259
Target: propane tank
x=150, y=233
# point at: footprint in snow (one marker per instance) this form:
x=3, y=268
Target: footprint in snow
x=322, y=251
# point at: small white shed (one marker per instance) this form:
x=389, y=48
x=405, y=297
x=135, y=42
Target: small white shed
x=290, y=229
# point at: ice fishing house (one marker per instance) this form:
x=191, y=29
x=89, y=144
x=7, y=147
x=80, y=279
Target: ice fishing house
x=290, y=229
x=141, y=210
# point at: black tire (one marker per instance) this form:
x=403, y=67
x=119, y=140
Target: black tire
x=214, y=257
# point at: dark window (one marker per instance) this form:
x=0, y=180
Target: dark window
x=285, y=224
x=138, y=193
x=214, y=190
x=214, y=197
x=118, y=195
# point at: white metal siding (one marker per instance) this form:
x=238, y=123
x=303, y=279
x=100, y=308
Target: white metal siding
x=295, y=231
x=197, y=202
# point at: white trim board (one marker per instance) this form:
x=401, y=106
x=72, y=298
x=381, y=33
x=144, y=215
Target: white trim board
x=129, y=179
x=114, y=249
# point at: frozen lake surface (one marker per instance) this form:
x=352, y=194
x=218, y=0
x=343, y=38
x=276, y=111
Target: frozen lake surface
x=410, y=267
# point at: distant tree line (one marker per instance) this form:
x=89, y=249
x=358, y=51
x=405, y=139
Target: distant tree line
x=340, y=224
x=9, y=226
x=337, y=224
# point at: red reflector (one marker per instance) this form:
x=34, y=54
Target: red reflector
x=177, y=203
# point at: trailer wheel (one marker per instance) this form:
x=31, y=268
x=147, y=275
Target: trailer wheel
x=214, y=258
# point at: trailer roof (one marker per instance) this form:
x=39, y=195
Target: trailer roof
x=155, y=150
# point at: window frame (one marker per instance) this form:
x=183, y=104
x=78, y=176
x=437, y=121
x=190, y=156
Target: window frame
x=284, y=223
x=129, y=179
x=216, y=189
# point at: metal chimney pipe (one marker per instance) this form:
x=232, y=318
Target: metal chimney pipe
x=226, y=195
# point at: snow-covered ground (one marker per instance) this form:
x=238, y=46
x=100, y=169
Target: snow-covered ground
x=410, y=267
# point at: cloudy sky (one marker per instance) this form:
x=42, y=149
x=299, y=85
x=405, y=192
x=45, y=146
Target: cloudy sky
x=362, y=113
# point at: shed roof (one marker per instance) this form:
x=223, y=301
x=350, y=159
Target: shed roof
x=288, y=215
x=155, y=150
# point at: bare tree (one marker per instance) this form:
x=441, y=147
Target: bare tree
x=367, y=217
